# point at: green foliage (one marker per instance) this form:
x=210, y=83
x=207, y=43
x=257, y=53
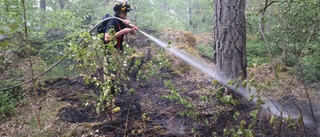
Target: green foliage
x=8, y=100
x=247, y=127
x=60, y=27
x=293, y=31
x=148, y=14
x=176, y=96
x=256, y=48
x=196, y=16
x=93, y=56
x=311, y=64
x=201, y=16
x=206, y=50
x=157, y=63
x=257, y=52
x=289, y=27
x=251, y=22
x=224, y=98
x=7, y=104
x=48, y=34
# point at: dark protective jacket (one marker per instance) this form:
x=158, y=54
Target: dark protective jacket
x=117, y=25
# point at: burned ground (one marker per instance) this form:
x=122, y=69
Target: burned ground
x=68, y=109
x=208, y=117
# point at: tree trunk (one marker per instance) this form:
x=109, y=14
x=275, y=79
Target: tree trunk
x=190, y=15
x=43, y=5
x=62, y=3
x=230, y=38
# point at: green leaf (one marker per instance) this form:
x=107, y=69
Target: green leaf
x=254, y=113
x=236, y=115
x=4, y=44
x=215, y=82
x=271, y=121
x=237, y=86
x=244, y=84
x=203, y=98
x=240, y=131
x=13, y=26
x=269, y=84
x=291, y=125
x=251, y=80
x=289, y=120
x=231, y=82
x=225, y=132
x=226, y=99
x=251, y=98
x=300, y=120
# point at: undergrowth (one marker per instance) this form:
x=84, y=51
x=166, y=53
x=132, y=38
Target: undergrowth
x=206, y=50
x=119, y=68
x=8, y=100
x=256, y=53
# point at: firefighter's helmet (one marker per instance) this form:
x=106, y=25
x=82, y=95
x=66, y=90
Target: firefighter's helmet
x=121, y=5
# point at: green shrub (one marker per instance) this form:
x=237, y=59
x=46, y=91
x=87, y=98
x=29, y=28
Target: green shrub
x=256, y=52
x=7, y=104
x=8, y=100
x=256, y=48
x=311, y=66
x=291, y=60
x=206, y=50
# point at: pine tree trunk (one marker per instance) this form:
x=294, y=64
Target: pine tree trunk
x=190, y=15
x=62, y=3
x=43, y=5
x=230, y=38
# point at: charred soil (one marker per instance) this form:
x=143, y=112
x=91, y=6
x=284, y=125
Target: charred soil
x=68, y=109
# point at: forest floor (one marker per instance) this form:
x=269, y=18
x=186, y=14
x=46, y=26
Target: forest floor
x=63, y=110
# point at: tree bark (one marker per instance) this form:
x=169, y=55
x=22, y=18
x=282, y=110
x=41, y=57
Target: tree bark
x=62, y=3
x=43, y=5
x=230, y=38
x=190, y=15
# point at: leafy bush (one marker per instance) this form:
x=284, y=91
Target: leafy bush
x=7, y=104
x=8, y=100
x=311, y=66
x=256, y=52
x=206, y=50
x=291, y=60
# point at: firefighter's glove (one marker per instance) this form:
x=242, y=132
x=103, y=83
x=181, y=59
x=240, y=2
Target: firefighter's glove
x=135, y=28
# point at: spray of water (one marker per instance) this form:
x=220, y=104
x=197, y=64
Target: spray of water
x=272, y=106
